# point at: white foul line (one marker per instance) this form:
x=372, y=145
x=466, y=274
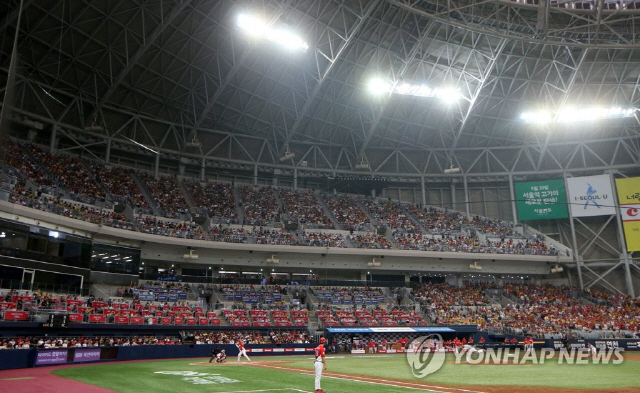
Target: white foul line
x=268, y=390
x=379, y=381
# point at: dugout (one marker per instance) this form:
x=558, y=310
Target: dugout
x=341, y=335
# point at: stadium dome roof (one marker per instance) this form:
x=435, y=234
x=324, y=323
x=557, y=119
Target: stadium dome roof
x=182, y=78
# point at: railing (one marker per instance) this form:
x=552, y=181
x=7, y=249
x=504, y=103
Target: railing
x=44, y=287
x=258, y=281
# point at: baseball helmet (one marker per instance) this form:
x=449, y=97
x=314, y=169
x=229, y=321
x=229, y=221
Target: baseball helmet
x=322, y=340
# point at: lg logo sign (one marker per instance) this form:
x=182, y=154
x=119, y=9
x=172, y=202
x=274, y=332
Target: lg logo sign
x=633, y=212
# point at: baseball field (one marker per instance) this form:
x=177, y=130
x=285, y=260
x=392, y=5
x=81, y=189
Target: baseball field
x=348, y=373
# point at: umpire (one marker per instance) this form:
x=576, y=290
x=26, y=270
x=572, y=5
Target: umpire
x=214, y=352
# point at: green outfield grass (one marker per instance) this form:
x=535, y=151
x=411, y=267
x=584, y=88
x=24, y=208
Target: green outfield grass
x=136, y=377
x=549, y=374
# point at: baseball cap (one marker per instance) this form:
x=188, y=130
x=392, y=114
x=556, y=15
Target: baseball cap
x=322, y=340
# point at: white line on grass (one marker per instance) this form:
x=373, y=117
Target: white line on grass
x=268, y=390
x=379, y=381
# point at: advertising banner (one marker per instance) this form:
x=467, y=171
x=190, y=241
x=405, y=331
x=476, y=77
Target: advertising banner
x=56, y=356
x=600, y=344
x=391, y=330
x=541, y=200
x=87, y=355
x=591, y=196
x=16, y=315
x=629, y=199
x=120, y=319
x=97, y=318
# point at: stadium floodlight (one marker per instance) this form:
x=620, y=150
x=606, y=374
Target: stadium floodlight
x=380, y=86
x=447, y=95
x=252, y=25
x=280, y=35
x=571, y=115
x=288, y=39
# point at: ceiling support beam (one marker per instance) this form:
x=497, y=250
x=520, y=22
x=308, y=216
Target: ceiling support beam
x=474, y=98
x=515, y=160
x=561, y=104
x=15, y=14
x=311, y=98
x=157, y=32
x=232, y=73
x=378, y=114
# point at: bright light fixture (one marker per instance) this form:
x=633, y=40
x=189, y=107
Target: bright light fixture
x=570, y=114
x=256, y=27
x=380, y=86
x=252, y=25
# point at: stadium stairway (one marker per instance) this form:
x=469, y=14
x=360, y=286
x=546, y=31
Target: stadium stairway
x=506, y=300
x=494, y=297
x=284, y=212
x=238, y=202
x=106, y=290
x=186, y=193
x=366, y=211
x=147, y=194
x=325, y=207
x=414, y=219
x=98, y=290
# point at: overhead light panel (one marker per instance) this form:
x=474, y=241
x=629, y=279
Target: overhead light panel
x=280, y=35
x=570, y=115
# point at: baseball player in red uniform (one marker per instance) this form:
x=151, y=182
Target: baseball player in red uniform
x=457, y=345
x=320, y=364
x=241, y=350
